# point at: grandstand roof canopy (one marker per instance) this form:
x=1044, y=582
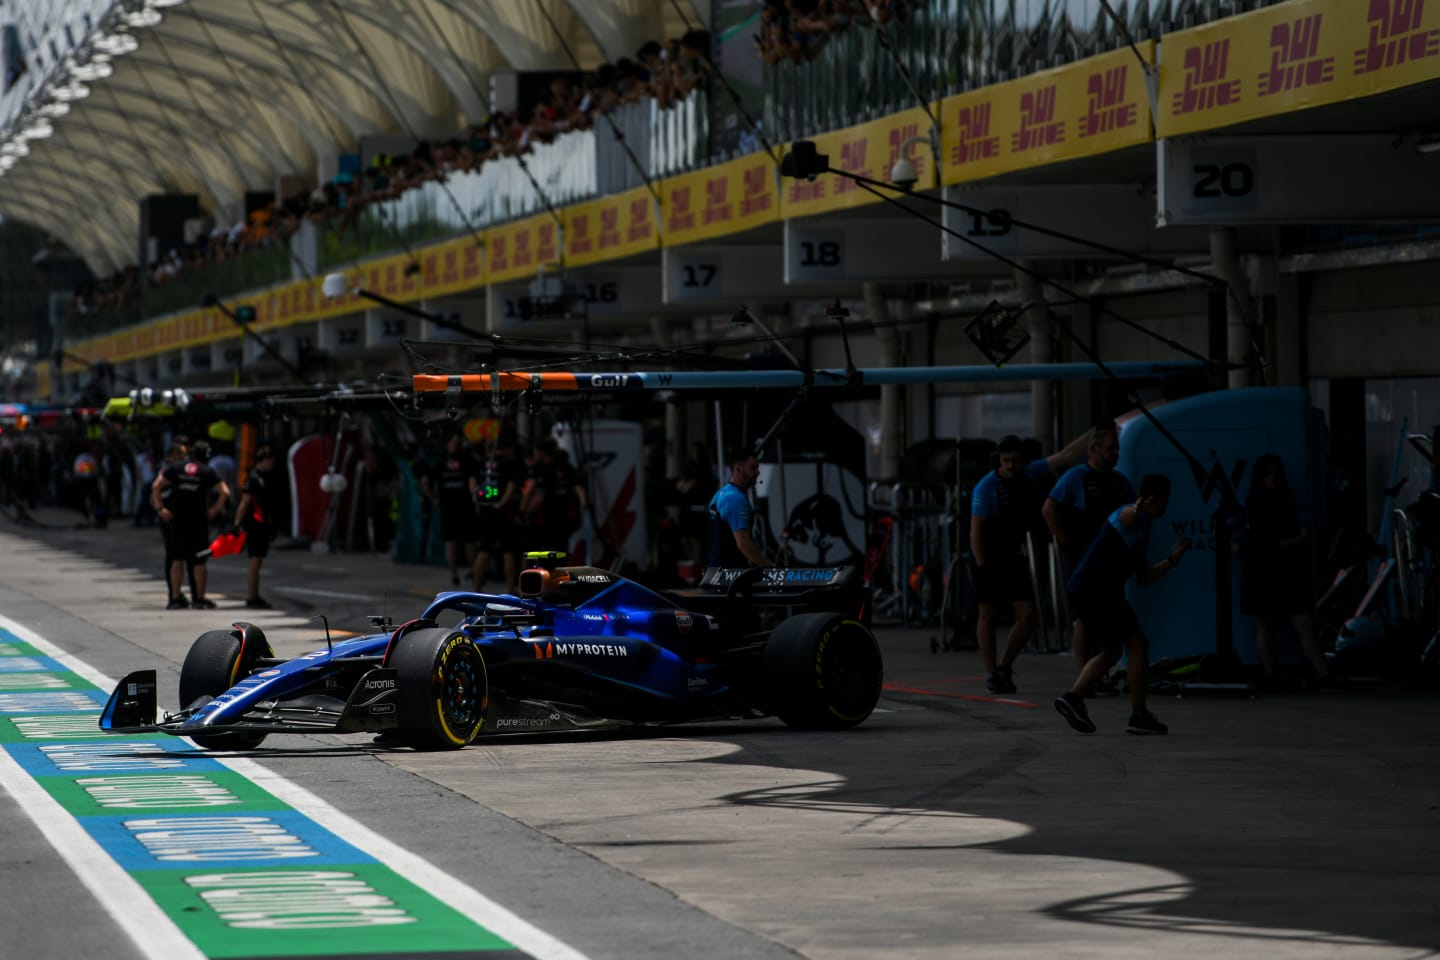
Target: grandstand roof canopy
x=221, y=97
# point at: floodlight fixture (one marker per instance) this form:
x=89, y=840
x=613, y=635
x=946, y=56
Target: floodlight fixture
x=70, y=92
x=94, y=70
x=142, y=18
x=335, y=285
x=116, y=44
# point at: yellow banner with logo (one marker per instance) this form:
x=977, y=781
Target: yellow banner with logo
x=521, y=249
x=734, y=196
x=611, y=227
x=1292, y=56
x=869, y=150
x=1079, y=110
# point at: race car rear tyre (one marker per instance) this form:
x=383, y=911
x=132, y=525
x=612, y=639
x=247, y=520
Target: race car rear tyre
x=212, y=666
x=443, y=688
x=822, y=672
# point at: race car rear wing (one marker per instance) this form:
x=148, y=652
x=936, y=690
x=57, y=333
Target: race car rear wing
x=772, y=579
x=839, y=589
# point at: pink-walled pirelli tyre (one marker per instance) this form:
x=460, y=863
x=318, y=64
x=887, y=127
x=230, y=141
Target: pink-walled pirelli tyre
x=443, y=688
x=822, y=671
x=214, y=664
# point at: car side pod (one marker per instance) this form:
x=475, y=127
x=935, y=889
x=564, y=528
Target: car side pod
x=132, y=705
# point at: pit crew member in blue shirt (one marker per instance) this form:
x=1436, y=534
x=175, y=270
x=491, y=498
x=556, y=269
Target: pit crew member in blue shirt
x=1002, y=509
x=731, y=515
x=1098, y=590
x=1078, y=506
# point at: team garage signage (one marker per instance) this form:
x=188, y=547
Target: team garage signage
x=1079, y=110
x=1292, y=56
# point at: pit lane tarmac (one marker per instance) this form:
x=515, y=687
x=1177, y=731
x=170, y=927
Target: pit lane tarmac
x=948, y=825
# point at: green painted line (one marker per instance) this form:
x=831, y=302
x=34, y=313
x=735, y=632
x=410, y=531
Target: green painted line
x=32, y=682
x=243, y=913
x=54, y=727
x=120, y=795
x=158, y=793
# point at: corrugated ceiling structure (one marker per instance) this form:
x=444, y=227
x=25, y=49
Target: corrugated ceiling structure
x=221, y=97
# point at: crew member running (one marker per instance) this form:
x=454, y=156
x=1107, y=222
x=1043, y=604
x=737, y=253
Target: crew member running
x=1097, y=589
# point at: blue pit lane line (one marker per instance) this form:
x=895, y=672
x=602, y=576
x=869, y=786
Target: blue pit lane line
x=198, y=856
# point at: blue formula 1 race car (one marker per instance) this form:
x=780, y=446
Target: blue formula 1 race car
x=579, y=648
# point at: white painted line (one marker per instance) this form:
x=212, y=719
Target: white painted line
x=122, y=897
x=469, y=901
x=316, y=592
x=131, y=906
x=128, y=904
x=73, y=663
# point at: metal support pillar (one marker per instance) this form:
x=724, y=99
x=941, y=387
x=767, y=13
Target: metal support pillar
x=676, y=442
x=1042, y=350
x=1239, y=306
x=892, y=396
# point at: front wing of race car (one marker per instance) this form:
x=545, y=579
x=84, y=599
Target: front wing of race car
x=371, y=707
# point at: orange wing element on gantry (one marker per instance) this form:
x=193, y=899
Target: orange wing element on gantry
x=484, y=382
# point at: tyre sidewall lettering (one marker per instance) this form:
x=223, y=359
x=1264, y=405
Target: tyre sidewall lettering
x=820, y=649
x=442, y=665
x=820, y=659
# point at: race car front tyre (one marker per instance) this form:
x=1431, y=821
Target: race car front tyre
x=822, y=671
x=443, y=689
x=215, y=663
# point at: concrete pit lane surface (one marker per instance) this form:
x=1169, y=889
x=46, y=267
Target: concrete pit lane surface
x=950, y=824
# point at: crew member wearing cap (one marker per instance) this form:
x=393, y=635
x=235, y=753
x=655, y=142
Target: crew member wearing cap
x=188, y=509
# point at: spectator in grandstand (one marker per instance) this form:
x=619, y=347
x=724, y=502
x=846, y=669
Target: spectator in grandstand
x=666, y=72
x=651, y=57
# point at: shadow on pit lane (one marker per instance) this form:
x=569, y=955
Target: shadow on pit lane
x=363, y=744
x=1267, y=855
x=1342, y=849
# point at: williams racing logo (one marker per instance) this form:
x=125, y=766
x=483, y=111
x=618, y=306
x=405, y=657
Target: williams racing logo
x=551, y=649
